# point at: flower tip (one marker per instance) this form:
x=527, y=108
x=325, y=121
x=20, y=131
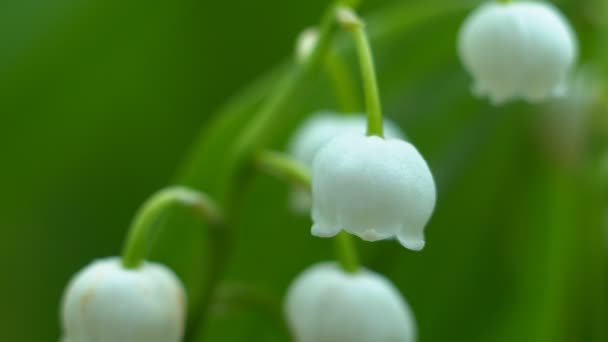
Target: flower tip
x=306, y=43
x=412, y=243
x=323, y=230
x=371, y=235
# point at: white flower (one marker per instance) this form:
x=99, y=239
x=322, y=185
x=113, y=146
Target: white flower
x=317, y=131
x=372, y=187
x=306, y=43
x=105, y=302
x=519, y=49
x=325, y=304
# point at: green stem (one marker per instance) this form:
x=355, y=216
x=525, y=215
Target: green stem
x=352, y=23
x=235, y=297
x=347, y=252
x=287, y=168
x=255, y=133
x=370, y=84
x=220, y=244
x=284, y=167
x=342, y=82
x=145, y=226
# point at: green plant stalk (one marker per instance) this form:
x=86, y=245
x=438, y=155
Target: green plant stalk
x=370, y=83
x=220, y=246
x=346, y=249
x=234, y=297
x=263, y=127
x=286, y=168
x=256, y=134
x=144, y=229
x=352, y=23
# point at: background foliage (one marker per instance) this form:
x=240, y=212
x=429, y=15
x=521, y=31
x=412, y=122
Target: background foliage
x=101, y=100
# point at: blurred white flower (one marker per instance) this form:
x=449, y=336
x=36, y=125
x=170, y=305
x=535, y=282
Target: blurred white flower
x=105, y=302
x=323, y=126
x=325, y=304
x=306, y=43
x=519, y=49
x=317, y=131
x=563, y=125
x=372, y=187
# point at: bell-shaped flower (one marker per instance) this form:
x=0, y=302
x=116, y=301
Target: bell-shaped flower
x=317, y=131
x=326, y=304
x=106, y=302
x=372, y=187
x=517, y=50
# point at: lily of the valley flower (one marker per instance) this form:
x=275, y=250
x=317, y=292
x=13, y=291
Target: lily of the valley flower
x=519, y=49
x=326, y=304
x=105, y=302
x=372, y=187
x=317, y=131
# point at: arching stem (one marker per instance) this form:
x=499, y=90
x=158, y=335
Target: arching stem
x=145, y=227
x=352, y=23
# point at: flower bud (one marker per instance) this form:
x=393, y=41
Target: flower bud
x=105, y=302
x=317, y=131
x=306, y=43
x=518, y=49
x=372, y=187
x=325, y=304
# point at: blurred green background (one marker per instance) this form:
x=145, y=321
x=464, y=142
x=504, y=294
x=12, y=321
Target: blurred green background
x=100, y=101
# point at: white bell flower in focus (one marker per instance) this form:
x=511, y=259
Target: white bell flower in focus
x=105, y=302
x=519, y=49
x=326, y=304
x=372, y=187
x=317, y=131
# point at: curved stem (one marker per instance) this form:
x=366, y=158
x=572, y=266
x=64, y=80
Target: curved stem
x=254, y=135
x=351, y=22
x=145, y=226
x=238, y=296
x=284, y=167
x=220, y=245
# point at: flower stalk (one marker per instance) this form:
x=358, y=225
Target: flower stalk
x=146, y=225
x=284, y=167
x=346, y=249
x=352, y=23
